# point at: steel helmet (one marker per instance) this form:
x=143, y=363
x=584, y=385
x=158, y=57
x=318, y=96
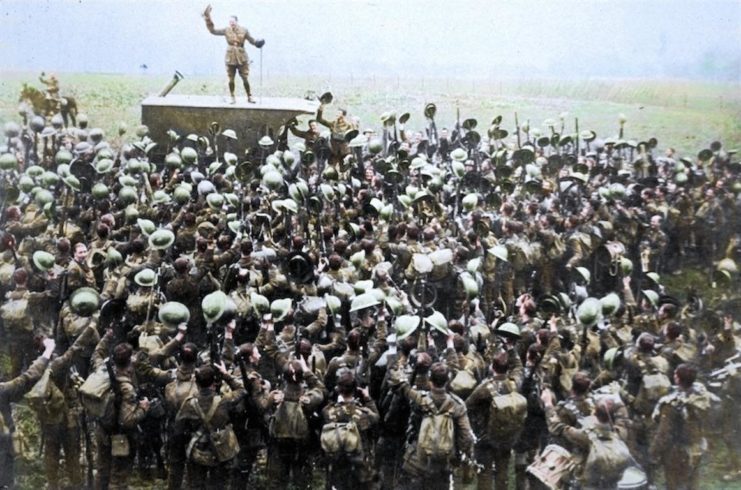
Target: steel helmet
x=173, y=313
x=84, y=301
x=44, y=261
x=280, y=308
x=508, y=329
x=363, y=301
x=437, y=321
x=189, y=155
x=589, y=311
x=260, y=303
x=610, y=304
x=161, y=239
x=405, y=325
x=146, y=278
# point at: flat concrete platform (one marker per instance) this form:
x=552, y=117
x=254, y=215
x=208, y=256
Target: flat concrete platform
x=194, y=114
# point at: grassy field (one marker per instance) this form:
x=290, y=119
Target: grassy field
x=682, y=114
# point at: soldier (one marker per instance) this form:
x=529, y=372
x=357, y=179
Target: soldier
x=59, y=413
x=236, y=57
x=79, y=273
x=679, y=443
x=339, y=127
x=293, y=405
x=12, y=391
x=16, y=315
x=52, y=86
x=427, y=462
x=249, y=419
x=607, y=455
x=496, y=431
x=345, y=439
x=310, y=135
x=114, y=463
x=204, y=419
x=653, y=246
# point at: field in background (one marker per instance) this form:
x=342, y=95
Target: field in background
x=683, y=114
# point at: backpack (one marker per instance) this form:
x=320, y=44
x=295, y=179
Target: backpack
x=47, y=400
x=607, y=459
x=436, y=438
x=209, y=447
x=289, y=423
x=653, y=387
x=463, y=383
x=14, y=316
x=507, y=414
x=97, y=397
x=340, y=438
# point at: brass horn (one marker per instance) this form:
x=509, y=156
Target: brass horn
x=175, y=79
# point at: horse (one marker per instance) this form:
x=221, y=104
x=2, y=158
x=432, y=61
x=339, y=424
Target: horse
x=44, y=106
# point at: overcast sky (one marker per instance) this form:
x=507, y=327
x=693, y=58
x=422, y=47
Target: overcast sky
x=519, y=38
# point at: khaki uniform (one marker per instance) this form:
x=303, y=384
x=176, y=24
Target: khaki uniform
x=79, y=275
x=679, y=443
x=61, y=429
x=114, y=471
x=16, y=314
x=188, y=421
x=12, y=391
x=236, y=57
x=52, y=86
x=490, y=451
x=418, y=473
x=338, y=128
x=352, y=471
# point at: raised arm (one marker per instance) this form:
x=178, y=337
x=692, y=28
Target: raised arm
x=14, y=389
x=320, y=117
x=210, y=23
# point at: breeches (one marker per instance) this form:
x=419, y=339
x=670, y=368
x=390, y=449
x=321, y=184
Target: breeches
x=243, y=70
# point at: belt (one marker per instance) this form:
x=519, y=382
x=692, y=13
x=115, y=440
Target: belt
x=236, y=45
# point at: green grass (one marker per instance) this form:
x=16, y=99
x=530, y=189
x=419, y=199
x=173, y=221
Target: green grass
x=685, y=115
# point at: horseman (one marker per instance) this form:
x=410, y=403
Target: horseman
x=52, y=87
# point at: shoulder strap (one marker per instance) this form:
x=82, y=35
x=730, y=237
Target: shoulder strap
x=206, y=418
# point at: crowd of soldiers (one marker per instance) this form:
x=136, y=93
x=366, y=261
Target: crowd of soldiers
x=388, y=309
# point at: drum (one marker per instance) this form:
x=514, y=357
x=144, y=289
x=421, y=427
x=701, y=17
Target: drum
x=552, y=467
x=633, y=478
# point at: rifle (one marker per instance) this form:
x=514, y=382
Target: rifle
x=361, y=370
x=729, y=369
x=576, y=124
x=63, y=221
x=156, y=292
x=89, y=478
x=213, y=344
x=63, y=287
x=517, y=130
